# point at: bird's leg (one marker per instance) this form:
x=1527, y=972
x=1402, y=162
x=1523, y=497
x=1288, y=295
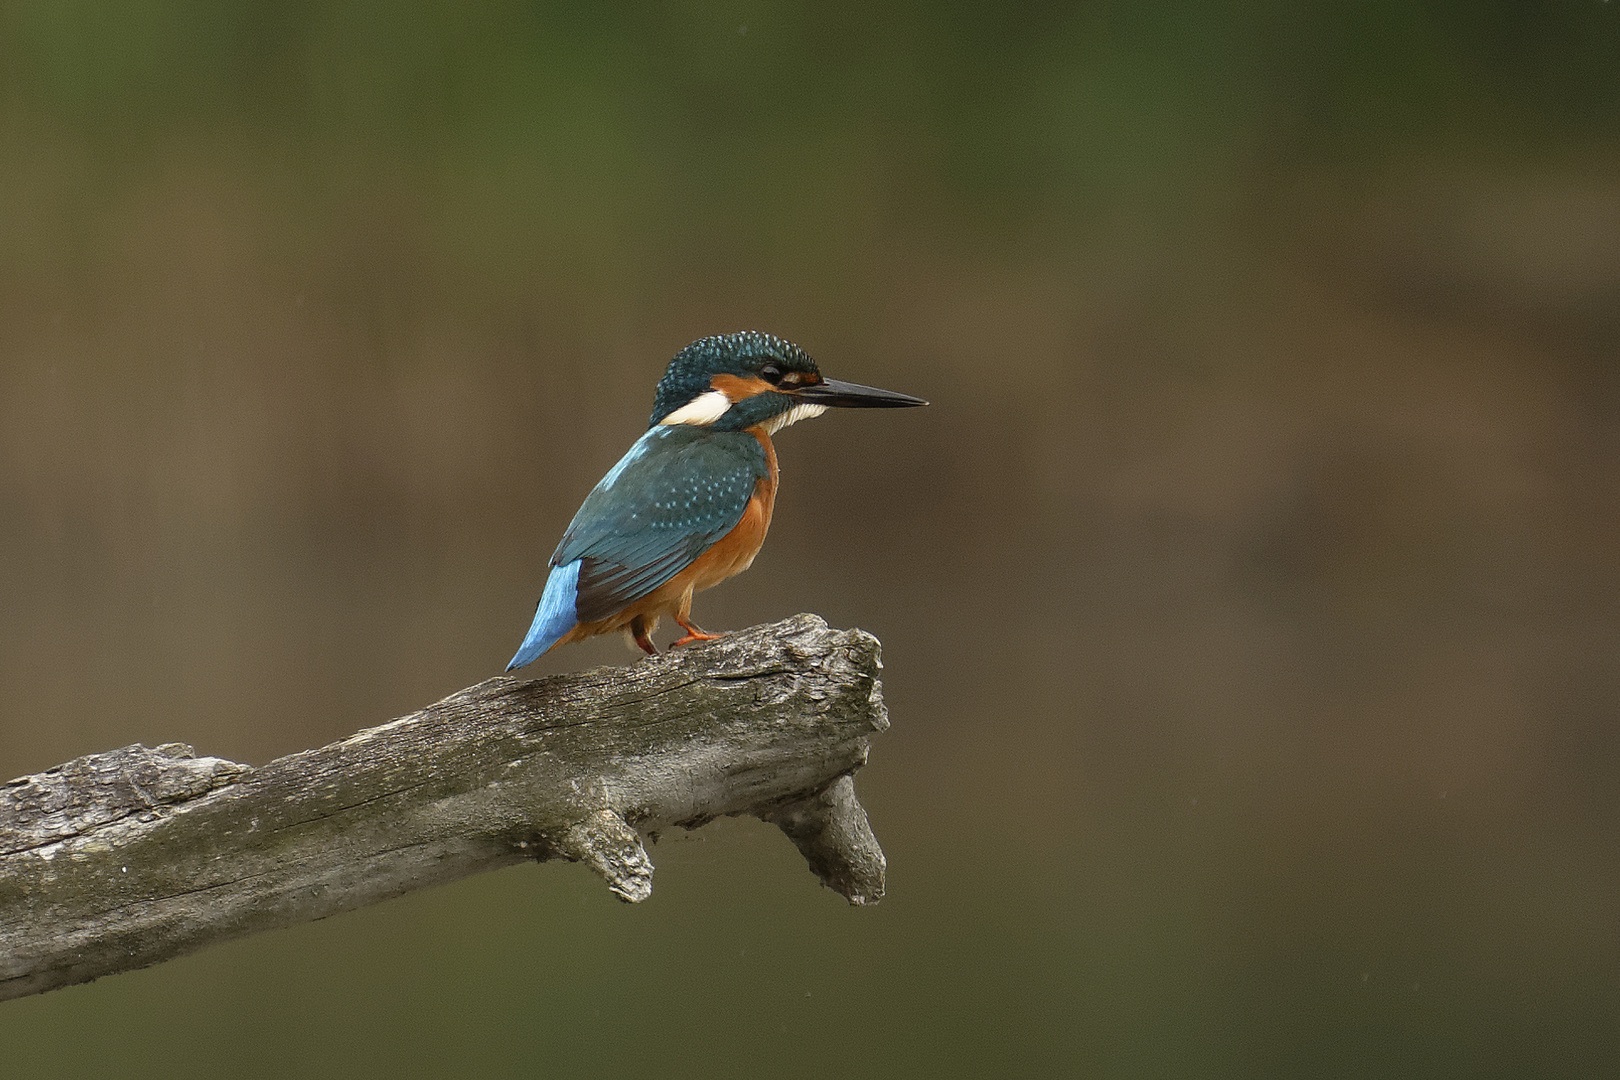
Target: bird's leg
x=641, y=633
x=694, y=632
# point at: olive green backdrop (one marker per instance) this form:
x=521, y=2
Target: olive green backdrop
x=1250, y=594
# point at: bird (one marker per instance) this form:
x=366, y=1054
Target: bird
x=689, y=504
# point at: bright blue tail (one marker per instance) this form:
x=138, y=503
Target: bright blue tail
x=553, y=617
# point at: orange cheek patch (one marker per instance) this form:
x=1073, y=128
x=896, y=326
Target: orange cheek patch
x=737, y=388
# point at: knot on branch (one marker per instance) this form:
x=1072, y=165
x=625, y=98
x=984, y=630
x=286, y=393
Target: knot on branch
x=90, y=792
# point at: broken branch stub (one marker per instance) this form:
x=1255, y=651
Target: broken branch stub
x=120, y=860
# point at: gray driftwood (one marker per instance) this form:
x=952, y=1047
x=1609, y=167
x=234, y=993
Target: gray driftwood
x=119, y=860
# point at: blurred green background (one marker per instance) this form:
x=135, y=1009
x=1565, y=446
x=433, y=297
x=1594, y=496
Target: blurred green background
x=1250, y=594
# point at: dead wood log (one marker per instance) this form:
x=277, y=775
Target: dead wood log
x=120, y=860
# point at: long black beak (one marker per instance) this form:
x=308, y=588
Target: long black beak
x=848, y=395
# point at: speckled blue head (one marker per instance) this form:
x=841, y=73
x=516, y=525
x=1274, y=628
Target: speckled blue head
x=746, y=355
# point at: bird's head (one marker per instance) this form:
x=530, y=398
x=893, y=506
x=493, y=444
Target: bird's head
x=734, y=381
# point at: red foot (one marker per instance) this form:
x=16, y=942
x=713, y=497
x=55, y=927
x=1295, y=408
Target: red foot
x=693, y=633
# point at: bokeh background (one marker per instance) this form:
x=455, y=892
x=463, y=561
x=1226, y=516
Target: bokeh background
x=1250, y=595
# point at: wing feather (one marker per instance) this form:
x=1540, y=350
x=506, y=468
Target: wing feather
x=678, y=490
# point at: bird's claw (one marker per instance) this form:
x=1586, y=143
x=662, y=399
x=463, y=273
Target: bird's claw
x=695, y=635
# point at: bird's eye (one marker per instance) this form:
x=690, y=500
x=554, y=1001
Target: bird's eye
x=771, y=374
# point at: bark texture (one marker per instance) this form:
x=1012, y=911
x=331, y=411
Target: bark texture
x=120, y=860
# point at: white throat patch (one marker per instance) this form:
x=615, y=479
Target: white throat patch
x=702, y=410
x=792, y=416
x=706, y=408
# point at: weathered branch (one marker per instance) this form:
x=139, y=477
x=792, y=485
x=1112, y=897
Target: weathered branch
x=120, y=860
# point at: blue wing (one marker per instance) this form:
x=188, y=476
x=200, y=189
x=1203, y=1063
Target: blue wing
x=678, y=490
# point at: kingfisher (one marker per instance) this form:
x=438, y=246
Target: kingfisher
x=689, y=504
